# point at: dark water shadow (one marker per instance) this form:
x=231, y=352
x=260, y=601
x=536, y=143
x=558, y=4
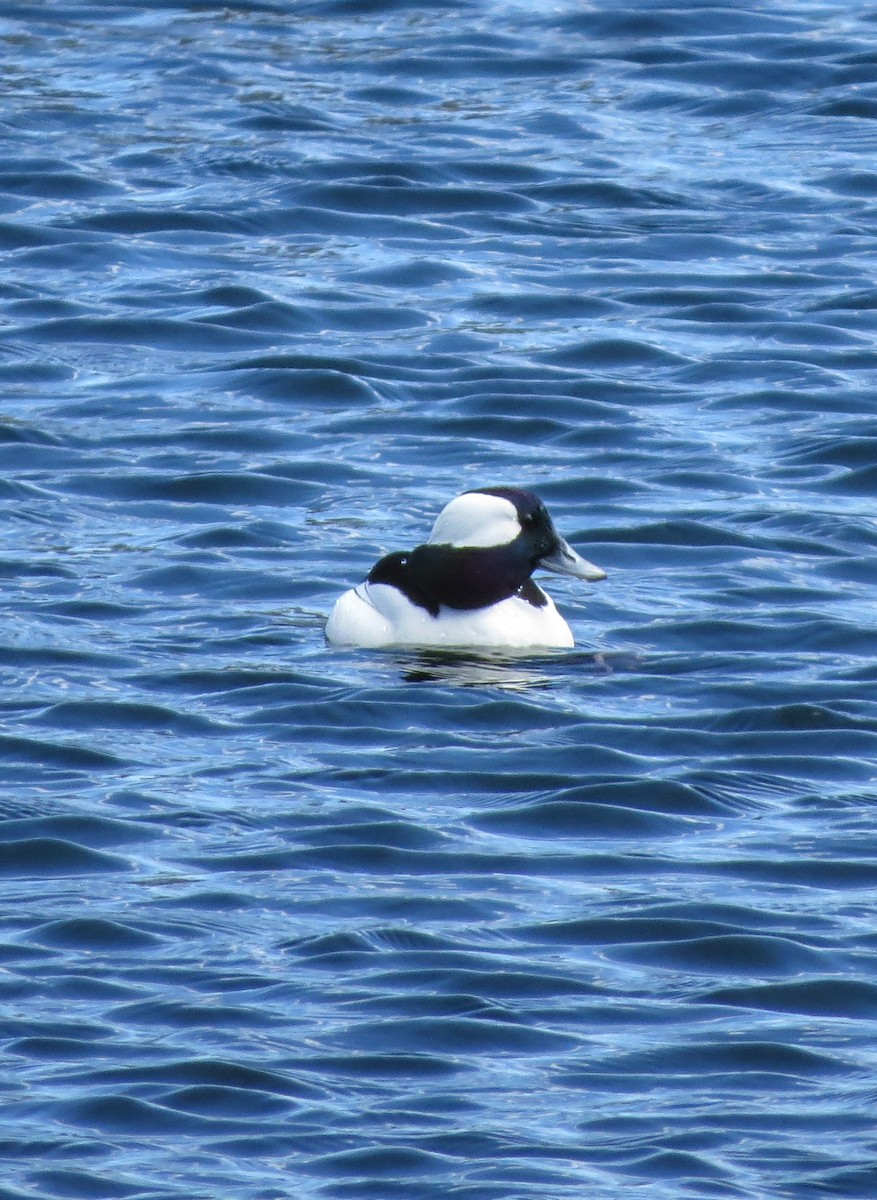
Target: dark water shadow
x=511, y=670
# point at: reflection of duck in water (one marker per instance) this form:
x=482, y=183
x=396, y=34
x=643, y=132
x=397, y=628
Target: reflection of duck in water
x=470, y=584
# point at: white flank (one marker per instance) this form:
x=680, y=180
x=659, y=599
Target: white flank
x=375, y=614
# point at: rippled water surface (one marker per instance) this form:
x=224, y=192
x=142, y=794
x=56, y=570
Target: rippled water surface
x=281, y=920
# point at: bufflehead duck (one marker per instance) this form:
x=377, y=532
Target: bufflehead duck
x=470, y=584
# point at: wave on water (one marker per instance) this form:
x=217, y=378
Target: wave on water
x=283, y=919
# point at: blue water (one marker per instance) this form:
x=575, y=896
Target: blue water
x=280, y=920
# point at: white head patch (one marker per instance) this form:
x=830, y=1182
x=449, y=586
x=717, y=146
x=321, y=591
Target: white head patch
x=475, y=519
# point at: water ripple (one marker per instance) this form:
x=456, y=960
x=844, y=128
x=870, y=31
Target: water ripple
x=287, y=919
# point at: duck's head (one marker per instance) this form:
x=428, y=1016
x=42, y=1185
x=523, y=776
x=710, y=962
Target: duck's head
x=504, y=516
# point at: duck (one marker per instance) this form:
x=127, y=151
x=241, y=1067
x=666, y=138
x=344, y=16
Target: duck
x=469, y=585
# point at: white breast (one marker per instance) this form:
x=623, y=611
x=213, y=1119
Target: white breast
x=375, y=614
